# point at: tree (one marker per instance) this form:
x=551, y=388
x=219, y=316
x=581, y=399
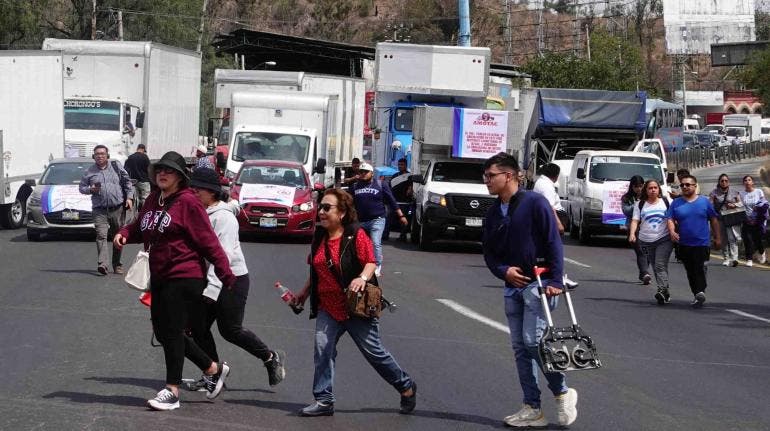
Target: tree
x=755, y=77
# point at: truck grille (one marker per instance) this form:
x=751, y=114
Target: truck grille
x=268, y=210
x=84, y=217
x=469, y=206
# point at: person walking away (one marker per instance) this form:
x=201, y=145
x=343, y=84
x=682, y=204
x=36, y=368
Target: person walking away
x=227, y=306
x=341, y=244
x=519, y=232
x=629, y=201
x=203, y=160
x=174, y=227
x=111, y=196
x=401, y=186
x=753, y=229
x=352, y=174
x=654, y=240
x=371, y=196
x=136, y=166
x=692, y=214
x=724, y=197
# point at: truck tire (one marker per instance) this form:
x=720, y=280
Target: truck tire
x=415, y=233
x=12, y=215
x=585, y=234
x=426, y=239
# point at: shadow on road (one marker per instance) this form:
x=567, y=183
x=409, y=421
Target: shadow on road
x=82, y=397
x=129, y=381
x=291, y=408
x=73, y=271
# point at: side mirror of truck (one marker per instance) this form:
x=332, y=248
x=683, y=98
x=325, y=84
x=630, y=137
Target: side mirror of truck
x=319, y=187
x=320, y=167
x=670, y=178
x=140, y=119
x=417, y=178
x=581, y=173
x=210, y=128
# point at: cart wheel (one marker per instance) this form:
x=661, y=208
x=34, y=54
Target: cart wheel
x=580, y=357
x=560, y=360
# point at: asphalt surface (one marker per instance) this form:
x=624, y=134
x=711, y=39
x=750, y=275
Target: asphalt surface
x=76, y=348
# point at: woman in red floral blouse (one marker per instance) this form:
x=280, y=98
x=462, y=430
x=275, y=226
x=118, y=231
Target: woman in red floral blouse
x=340, y=242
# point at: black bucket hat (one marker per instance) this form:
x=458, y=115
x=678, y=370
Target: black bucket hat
x=172, y=160
x=206, y=178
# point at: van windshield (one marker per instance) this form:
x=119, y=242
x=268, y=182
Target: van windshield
x=454, y=172
x=622, y=168
x=736, y=132
x=91, y=115
x=270, y=146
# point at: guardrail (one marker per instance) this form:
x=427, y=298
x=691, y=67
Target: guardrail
x=692, y=158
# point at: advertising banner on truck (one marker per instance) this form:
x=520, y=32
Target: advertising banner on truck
x=479, y=133
x=612, y=208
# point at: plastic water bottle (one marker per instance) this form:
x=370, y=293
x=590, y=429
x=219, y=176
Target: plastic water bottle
x=287, y=296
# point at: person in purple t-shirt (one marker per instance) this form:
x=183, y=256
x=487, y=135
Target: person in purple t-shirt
x=370, y=197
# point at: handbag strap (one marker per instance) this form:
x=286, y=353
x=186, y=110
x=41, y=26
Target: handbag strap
x=330, y=264
x=154, y=234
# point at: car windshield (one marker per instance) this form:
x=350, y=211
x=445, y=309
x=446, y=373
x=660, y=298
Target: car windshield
x=713, y=128
x=402, y=121
x=64, y=173
x=457, y=172
x=736, y=132
x=91, y=115
x=275, y=175
x=270, y=146
x=622, y=168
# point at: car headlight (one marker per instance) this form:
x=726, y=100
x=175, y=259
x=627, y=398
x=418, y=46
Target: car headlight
x=303, y=207
x=437, y=199
x=594, y=204
x=230, y=174
x=34, y=201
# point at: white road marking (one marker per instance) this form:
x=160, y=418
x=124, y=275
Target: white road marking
x=750, y=316
x=467, y=312
x=574, y=262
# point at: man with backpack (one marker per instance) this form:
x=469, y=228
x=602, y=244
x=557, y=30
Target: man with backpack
x=112, y=195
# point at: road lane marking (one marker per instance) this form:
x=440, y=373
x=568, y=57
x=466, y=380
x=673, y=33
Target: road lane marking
x=574, y=262
x=467, y=312
x=750, y=316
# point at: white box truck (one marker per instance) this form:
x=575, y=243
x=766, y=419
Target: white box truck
x=113, y=89
x=284, y=125
x=31, y=126
x=350, y=105
x=743, y=128
x=408, y=75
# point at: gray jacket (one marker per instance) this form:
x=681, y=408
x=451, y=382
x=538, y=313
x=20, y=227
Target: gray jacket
x=116, y=184
x=225, y=224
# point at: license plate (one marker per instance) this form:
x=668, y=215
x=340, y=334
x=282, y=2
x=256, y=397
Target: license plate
x=70, y=215
x=474, y=222
x=268, y=222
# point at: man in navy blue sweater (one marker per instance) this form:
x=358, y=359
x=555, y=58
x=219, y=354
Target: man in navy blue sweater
x=370, y=197
x=520, y=232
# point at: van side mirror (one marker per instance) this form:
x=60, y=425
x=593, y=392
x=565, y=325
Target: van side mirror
x=417, y=178
x=670, y=178
x=140, y=119
x=581, y=173
x=210, y=128
x=320, y=167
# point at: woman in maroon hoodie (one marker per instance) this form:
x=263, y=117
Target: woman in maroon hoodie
x=174, y=226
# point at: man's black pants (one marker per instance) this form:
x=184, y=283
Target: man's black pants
x=694, y=259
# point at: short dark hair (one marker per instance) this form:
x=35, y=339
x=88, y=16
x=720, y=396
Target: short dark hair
x=141, y=147
x=355, y=160
x=101, y=146
x=748, y=176
x=344, y=203
x=402, y=160
x=550, y=170
x=682, y=172
x=695, y=180
x=504, y=160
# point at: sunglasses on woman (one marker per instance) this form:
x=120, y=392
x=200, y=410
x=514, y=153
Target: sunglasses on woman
x=326, y=207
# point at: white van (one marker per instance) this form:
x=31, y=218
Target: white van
x=691, y=125
x=653, y=146
x=596, y=183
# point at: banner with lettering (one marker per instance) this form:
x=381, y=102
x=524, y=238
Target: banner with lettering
x=612, y=207
x=479, y=133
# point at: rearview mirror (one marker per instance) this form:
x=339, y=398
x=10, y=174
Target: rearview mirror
x=581, y=173
x=319, y=187
x=417, y=178
x=210, y=128
x=140, y=119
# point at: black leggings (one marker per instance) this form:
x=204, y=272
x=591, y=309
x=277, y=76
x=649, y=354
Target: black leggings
x=175, y=305
x=694, y=259
x=228, y=311
x=752, y=239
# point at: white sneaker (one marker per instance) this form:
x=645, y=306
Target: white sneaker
x=726, y=262
x=566, y=407
x=165, y=400
x=526, y=417
x=749, y=263
x=763, y=257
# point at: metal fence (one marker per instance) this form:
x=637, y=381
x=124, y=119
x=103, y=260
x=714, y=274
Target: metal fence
x=692, y=158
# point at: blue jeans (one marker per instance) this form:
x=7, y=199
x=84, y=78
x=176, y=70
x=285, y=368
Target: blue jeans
x=527, y=323
x=366, y=334
x=375, y=228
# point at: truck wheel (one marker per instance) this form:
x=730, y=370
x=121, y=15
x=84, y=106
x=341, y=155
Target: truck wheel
x=426, y=239
x=33, y=236
x=585, y=233
x=415, y=234
x=12, y=215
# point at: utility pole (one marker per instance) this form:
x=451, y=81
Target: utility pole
x=93, y=20
x=120, y=25
x=201, y=27
x=684, y=86
x=540, y=38
x=576, y=30
x=507, y=33
x=588, y=43
x=463, y=8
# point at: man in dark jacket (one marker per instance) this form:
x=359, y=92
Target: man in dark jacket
x=520, y=232
x=370, y=197
x=401, y=186
x=136, y=166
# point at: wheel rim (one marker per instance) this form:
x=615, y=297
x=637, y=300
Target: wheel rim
x=17, y=213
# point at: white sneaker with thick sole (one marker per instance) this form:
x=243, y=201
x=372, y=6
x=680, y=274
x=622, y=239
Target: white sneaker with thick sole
x=726, y=262
x=749, y=263
x=762, y=258
x=165, y=400
x=566, y=407
x=527, y=417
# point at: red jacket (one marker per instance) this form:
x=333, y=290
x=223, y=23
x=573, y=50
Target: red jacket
x=182, y=241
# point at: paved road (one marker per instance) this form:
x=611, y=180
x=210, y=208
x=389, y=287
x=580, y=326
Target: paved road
x=76, y=350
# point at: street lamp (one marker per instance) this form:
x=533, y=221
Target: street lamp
x=266, y=64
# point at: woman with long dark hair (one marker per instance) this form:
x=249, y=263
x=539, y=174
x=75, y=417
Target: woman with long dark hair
x=724, y=197
x=753, y=229
x=629, y=201
x=339, y=242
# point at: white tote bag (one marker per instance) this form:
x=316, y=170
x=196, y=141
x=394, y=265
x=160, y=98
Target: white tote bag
x=138, y=275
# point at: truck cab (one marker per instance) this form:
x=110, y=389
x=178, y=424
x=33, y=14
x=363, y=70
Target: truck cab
x=89, y=122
